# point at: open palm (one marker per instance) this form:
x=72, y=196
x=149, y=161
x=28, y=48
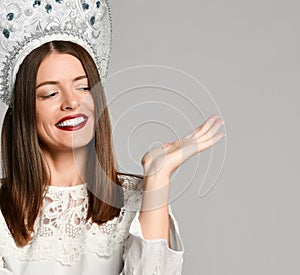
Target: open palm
x=164, y=160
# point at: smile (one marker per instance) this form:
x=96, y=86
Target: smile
x=72, y=123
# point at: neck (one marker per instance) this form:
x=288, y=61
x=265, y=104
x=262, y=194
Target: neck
x=67, y=168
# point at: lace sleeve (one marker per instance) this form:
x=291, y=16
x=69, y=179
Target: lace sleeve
x=143, y=256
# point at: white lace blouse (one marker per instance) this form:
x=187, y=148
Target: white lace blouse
x=63, y=243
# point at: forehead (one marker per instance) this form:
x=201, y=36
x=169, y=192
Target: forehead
x=59, y=66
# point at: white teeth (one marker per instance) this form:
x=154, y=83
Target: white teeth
x=71, y=122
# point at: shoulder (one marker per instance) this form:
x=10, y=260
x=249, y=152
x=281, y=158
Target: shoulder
x=132, y=185
x=130, y=181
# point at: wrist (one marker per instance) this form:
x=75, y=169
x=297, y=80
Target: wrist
x=156, y=181
x=155, y=192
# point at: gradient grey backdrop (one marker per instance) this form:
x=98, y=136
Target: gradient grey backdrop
x=246, y=53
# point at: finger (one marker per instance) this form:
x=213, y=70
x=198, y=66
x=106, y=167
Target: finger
x=211, y=132
x=202, y=129
x=165, y=145
x=208, y=143
x=191, y=146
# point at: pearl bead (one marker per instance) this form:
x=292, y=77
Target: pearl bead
x=28, y=12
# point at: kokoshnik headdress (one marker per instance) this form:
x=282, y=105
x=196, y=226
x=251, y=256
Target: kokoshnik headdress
x=27, y=24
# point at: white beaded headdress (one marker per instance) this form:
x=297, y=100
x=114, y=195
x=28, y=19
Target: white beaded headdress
x=27, y=24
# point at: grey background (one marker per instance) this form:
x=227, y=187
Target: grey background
x=246, y=53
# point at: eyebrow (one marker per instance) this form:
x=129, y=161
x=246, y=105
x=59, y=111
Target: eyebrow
x=57, y=82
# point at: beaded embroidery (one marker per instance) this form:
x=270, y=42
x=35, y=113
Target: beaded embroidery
x=27, y=24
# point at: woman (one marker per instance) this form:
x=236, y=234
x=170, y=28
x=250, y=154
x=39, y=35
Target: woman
x=64, y=207
x=64, y=213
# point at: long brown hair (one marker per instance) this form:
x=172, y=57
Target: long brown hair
x=25, y=171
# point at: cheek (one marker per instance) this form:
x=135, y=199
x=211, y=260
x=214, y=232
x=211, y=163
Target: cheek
x=38, y=112
x=39, y=125
x=43, y=118
x=40, y=117
x=89, y=103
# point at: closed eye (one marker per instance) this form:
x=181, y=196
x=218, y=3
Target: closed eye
x=84, y=88
x=49, y=95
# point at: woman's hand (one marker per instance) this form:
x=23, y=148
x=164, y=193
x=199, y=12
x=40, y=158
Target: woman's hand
x=159, y=163
x=164, y=160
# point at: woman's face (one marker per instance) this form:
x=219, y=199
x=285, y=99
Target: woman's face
x=64, y=104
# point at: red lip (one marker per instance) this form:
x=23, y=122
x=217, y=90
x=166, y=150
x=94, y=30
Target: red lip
x=70, y=117
x=72, y=128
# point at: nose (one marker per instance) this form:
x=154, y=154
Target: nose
x=70, y=100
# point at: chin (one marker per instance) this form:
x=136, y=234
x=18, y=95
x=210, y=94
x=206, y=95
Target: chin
x=82, y=139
